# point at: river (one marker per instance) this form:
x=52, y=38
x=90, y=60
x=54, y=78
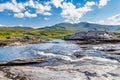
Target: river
x=57, y=49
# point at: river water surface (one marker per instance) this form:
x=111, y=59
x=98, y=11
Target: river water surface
x=59, y=49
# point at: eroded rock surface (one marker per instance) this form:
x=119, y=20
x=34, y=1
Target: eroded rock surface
x=62, y=61
x=88, y=68
x=18, y=41
x=21, y=62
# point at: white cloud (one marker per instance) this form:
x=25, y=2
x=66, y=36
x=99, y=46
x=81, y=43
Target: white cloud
x=47, y=14
x=19, y=15
x=103, y=3
x=73, y=14
x=46, y=19
x=30, y=3
x=113, y=20
x=40, y=8
x=20, y=25
x=9, y=6
x=19, y=8
x=69, y=11
x=2, y=25
x=57, y=3
x=89, y=4
x=26, y=14
x=13, y=6
x=14, y=2
x=43, y=9
x=115, y=17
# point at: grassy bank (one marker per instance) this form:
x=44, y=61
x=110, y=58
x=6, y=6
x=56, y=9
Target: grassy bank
x=11, y=32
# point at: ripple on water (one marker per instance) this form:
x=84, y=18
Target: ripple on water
x=54, y=49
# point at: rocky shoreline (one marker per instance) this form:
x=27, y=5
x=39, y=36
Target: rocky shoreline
x=94, y=37
x=21, y=62
x=18, y=41
x=88, y=68
x=90, y=62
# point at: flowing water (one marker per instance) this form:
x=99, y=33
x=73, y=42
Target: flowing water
x=59, y=49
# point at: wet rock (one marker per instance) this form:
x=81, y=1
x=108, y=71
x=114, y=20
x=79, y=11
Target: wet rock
x=78, y=54
x=91, y=69
x=2, y=76
x=18, y=41
x=21, y=62
x=112, y=74
x=111, y=51
x=87, y=73
x=114, y=52
x=91, y=35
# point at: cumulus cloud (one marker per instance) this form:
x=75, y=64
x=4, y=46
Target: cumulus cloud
x=73, y=14
x=113, y=20
x=20, y=10
x=20, y=25
x=30, y=3
x=9, y=6
x=57, y=3
x=40, y=8
x=69, y=11
x=47, y=14
x=46, y=19
x=19, y=15
x=43, y=9
x=103, y=3
x=26, y=14
x=13, y=6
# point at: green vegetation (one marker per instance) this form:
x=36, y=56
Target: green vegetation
x=82, y=26
x=118, y=30
x=54, y=32
x=11, y=32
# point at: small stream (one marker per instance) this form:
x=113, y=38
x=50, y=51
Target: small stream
x=60, y=49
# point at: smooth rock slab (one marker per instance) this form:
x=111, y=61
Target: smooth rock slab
x=21, y=62
x=91, y=69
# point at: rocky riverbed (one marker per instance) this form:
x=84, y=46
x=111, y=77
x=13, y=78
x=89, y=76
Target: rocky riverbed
x=88, y=68
x=61, y=60
x=19, y=41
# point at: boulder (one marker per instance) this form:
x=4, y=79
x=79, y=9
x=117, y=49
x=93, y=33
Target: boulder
x=94, y=35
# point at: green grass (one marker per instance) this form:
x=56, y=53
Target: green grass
x=118, y=30
x=10, y=32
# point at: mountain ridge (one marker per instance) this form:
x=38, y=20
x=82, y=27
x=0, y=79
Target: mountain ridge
x=82, y=26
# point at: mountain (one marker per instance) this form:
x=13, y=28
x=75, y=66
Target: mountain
x=82, y=26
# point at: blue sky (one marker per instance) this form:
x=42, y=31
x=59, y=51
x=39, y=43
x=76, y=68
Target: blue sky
x=40, y=13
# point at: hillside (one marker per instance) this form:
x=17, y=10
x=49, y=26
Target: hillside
x=118, y=30
x=10, y=32
x=82, y=26
x=57, y=31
